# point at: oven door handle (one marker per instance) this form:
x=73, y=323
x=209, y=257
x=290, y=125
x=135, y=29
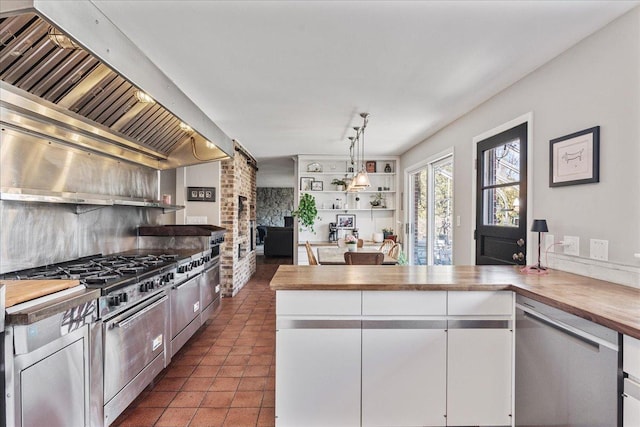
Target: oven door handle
x=129, y=320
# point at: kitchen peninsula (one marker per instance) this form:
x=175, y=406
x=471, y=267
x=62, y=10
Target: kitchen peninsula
x=349, y=336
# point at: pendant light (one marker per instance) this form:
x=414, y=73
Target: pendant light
x=361, y=180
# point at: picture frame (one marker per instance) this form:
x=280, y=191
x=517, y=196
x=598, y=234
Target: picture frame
x=316, y=186
x=201, y=194
x=305, y=183
x=346, y=221
x=370, y=166
x=575, y=158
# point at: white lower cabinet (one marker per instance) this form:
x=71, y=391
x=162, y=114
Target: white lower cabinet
x=479, y=377
x=318, y=376
x=404, y=376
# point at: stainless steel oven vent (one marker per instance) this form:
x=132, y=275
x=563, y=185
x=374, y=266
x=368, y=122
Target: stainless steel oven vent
x=74, y=82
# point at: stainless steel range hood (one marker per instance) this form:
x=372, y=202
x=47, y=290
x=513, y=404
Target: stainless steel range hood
x=86, y=96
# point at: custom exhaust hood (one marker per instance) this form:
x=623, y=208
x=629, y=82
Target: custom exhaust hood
x=56, y=85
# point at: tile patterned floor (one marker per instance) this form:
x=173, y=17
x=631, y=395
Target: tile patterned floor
x=225, y=375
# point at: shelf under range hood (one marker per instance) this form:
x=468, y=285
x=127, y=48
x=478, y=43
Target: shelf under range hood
x=71, y=88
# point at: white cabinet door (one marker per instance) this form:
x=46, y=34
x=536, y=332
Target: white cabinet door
x=631, y=403
x=479, y=377
x=403, y=376
x=318, y=377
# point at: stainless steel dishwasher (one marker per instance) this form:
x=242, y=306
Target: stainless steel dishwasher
x=567, y=369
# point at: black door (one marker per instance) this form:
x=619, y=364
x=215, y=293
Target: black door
x=501, y=195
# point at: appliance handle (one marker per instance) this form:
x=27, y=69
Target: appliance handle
x=174, y=287
x=129, y=320
x=561, y=328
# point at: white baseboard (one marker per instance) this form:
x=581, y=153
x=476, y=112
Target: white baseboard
x=617, y=273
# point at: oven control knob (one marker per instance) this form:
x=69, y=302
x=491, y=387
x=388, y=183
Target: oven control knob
x=124, y=297
x=151, y=285
x=143, y=287
x=114, y=301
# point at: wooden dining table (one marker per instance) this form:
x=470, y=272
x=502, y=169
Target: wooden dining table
x=335, y=256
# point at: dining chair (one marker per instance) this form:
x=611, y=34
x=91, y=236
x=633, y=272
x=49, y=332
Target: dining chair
x=361, y=258
x=386, y=246
x=310, y=255
x=342, y=243
x=394, y=252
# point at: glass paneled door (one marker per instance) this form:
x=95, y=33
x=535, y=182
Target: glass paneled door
x=431, y=213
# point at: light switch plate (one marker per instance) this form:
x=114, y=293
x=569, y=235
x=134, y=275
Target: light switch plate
x=548, y=244
x=599, y=249
x=572, y=245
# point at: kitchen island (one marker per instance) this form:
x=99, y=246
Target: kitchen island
x=357, y=345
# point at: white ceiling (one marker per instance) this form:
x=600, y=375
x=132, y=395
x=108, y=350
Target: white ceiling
x=290, y=77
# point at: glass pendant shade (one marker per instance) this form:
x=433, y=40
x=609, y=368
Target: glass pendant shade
x=362, y=180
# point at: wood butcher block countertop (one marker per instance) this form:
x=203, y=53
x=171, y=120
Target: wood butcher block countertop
x=18, y=291
x=606, y=303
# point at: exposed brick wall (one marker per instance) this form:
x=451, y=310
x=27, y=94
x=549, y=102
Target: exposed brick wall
x=238, y=261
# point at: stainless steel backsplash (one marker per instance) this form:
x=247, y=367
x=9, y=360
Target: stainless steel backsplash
x=34, y=234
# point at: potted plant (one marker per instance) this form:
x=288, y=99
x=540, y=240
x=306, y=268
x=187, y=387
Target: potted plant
x=339, y=183
x=307, y=213
x=378, y=201
x=352, y=242
x=387, y=233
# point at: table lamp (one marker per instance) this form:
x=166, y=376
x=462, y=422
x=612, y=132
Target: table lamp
x=539, y=226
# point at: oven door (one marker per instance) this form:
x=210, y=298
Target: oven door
x=132, y=340
x=185, y=312
x=209, y=292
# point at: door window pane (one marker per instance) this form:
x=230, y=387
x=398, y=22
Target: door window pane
x=502, y=206
x=442, y=237
x=502, y=164
x=419, y=218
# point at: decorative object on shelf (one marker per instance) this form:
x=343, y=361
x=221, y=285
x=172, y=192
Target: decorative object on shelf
x=307, y=213
x=575, y=158
x=539, y=226
x=378, y=237
x=305, y=183
x=339, y=183
x=314, y=167
x=378, y=201
x=387, y=233
x=371, y=166
x=357, y=202
x=352, y=242
x=346, y=221
x=387, y=168
x=316, y=186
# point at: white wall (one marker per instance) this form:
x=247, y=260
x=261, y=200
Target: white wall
x=277, y=173
x=203, y=175
x=597, y=82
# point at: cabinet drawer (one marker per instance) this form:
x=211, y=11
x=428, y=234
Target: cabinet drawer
x=310, y=303
x=480, y=303
x=631, y=356
x=404, y=303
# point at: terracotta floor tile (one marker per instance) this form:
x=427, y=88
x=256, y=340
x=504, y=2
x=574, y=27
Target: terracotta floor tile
x=263, y=350
x=179, y=371
x=261, y=360
x=140, y=417
x=219, y=351
x=247, y=399
x=205, y=371
x=237, y=360
x=242, y=417
x=246, y=341
x=212, y=360
x=176, y=417
x=187, y=399
x=267, y=417
x=269, y=399
x=240, y=350
x=225, y=384
x=271, y=383
x=218, y=399
x=157, y=399
x=225, y=342
x=256, y=371
x=170, y=384
x=252, y=383
x=197, y=384
x=186, y=360
x=209, y=417
x=231, y=371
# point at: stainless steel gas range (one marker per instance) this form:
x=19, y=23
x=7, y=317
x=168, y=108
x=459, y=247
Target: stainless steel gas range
x=150, y=303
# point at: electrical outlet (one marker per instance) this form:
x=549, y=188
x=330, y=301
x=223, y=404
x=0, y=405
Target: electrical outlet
x=548, y=244
x=571, y=245
x=599, y=249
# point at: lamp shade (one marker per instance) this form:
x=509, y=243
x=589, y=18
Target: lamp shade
x=539, y=226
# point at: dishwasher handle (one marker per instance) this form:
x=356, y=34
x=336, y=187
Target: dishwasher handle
x=561, y=328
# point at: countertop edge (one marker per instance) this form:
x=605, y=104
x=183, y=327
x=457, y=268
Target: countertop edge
x=42, y=311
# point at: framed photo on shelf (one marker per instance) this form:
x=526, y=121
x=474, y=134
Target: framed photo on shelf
x=346, y=221
x=371, y=166
x=305, y=183
x=316, y=186
x=575, y=159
